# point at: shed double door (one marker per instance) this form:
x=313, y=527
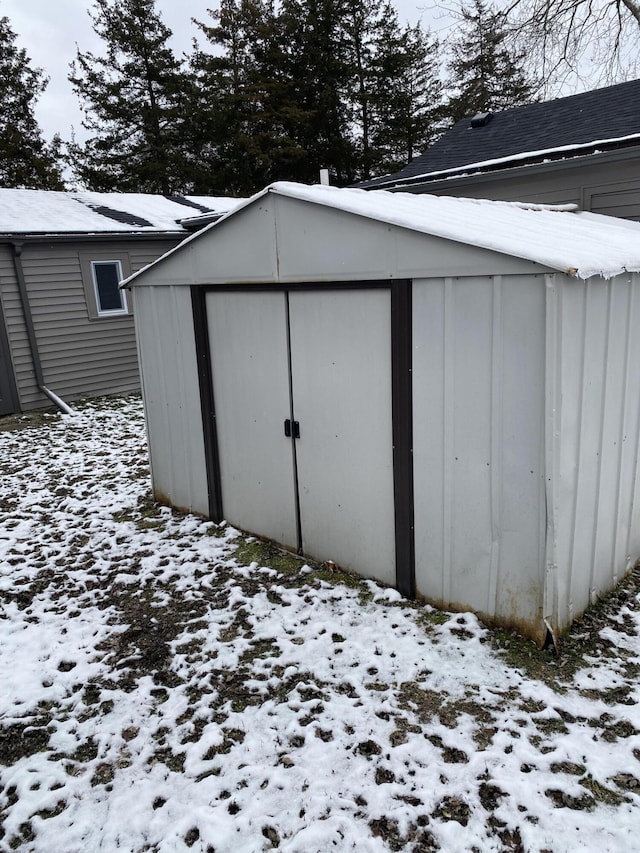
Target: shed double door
x=302, y=393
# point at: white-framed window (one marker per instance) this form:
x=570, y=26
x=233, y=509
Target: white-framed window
x=107, y=276
x=102, y=272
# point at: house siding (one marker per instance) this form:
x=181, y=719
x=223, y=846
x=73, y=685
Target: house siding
x=14, y=322
x=8, y=389
x=608, y=184
x=79, y=356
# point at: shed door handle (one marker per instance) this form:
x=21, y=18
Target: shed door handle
x=288, y=428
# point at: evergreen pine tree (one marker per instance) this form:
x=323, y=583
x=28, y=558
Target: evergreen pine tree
x=375, y=87
x=219, y=114
x=408, y=103
x=485, y=75
x=134, y=101
x=280, y=118
x=320, y=61
x=246, y=119
x=362, y=20
x=26, y=161
x=273, y=93
x=334, y=84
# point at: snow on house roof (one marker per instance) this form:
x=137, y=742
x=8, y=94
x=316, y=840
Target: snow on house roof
x=559, y=237
x=526, y=157
x=50, y=212
x=601, y=119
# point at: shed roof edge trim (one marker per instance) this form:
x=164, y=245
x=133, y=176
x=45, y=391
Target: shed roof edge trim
x=196, y=236
x=554, y=236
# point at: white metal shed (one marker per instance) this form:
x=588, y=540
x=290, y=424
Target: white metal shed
x=440, y=393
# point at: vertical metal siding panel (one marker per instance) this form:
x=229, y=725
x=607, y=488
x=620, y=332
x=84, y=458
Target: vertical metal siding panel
x=190, y=425
x=146, y=334
x=164, y=326
x=189, y=473
x=478, y=384
x=602, y=522
x=599, y=445
x=588, y=470
x=155, y=406
x=517, y=456
x=630, y=518
x=448, y=421
x=166, y=397
x=603, y=569
x=572, y=361
x=431, y=436
x=452, y=374
x=471, y=528
x=496, y=458
x=628, y=429
x=183, y=421
x=554, y=589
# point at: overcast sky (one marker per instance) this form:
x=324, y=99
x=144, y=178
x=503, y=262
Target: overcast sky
x=49, y=30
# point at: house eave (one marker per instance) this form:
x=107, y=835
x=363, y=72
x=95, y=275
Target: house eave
x=85, y=237
x=509, y=169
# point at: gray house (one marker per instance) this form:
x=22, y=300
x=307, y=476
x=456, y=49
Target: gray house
x=440, y=393
x=66, y=329
x=584, y=149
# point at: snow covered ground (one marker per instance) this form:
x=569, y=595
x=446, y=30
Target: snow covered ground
x=166, y=685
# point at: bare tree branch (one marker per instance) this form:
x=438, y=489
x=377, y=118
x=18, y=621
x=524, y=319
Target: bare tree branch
x=588, y=40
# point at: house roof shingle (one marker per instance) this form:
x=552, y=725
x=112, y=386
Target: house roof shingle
x=601, y=118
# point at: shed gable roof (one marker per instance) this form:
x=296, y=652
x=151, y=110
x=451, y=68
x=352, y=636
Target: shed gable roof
x=583, y=244
x=51, y=212
x=566, y=127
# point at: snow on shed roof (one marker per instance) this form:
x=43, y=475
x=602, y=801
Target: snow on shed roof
x=559, y=237
x=51, y=212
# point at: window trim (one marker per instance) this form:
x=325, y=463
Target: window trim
x=88, y=260
x=109, y=312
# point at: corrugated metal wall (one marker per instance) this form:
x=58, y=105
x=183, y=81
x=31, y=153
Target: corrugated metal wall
x=597, y=424
x=478, y=386
x=164, y=327
x=526, y=398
